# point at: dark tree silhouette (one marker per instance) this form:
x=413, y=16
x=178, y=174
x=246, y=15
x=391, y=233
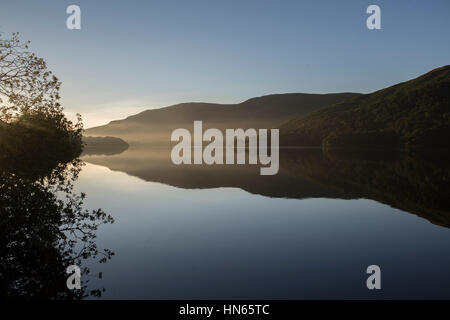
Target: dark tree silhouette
x=30, y=103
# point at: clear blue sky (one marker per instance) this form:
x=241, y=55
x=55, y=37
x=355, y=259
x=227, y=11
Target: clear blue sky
x=134, y=55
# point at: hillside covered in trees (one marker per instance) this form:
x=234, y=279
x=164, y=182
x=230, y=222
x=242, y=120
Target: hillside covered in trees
x=414, y=113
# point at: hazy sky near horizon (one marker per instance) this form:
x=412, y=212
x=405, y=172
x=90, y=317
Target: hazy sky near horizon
x=134, y=55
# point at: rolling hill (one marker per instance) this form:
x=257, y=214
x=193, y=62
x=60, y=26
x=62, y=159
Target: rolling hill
x=414, y=113
x=155, y=126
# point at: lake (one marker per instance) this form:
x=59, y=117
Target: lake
x=310, y=232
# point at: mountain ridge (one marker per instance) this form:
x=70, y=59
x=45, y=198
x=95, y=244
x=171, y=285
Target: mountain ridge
x=156, y=125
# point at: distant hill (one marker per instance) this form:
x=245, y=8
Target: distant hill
x=103, y=145
x=156, y=125
x=414, y=113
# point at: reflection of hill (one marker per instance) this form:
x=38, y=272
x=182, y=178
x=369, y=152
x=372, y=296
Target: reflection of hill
x=155, y=165
x=409, y=183
x=416, y=184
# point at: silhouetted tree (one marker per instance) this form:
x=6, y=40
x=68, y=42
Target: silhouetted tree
x=29, y=103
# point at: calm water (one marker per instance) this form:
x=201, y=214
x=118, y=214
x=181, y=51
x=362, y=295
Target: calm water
x=310, y=232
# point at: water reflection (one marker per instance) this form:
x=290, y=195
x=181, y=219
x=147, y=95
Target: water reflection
x=45, y=229
x=415, y=183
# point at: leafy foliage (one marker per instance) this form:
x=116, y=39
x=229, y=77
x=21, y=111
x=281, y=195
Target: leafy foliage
x=29, y=103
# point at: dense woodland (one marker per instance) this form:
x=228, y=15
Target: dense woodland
x=415, y=113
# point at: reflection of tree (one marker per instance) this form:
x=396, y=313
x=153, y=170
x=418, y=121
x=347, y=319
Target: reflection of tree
x=44, y=230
